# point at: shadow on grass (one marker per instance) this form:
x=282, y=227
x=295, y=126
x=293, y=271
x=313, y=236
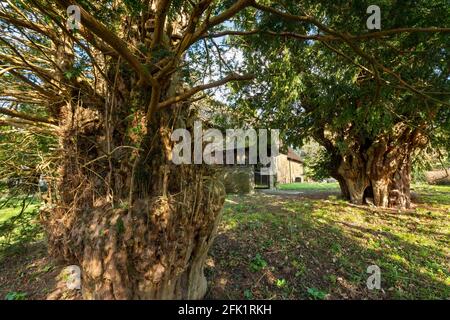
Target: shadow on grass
x=312, y=250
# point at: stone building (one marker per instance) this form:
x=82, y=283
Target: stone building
x=247, y=178
x=289, y=168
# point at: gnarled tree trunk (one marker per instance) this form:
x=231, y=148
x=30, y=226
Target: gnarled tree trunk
x=153, y=247
x=400, y=195
x=139, y=226
x=389, y=166
x=343, y=186
x=380, y=169
x=354, y=178
x=114, y=85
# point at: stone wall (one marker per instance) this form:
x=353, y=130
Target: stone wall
x=238, y=179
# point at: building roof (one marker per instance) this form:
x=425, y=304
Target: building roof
x=292, y=155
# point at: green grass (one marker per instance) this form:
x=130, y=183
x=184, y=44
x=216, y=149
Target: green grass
x=310, y=186
x=287, y=247
x=433, y=194
x=322, y=249
x=14, y=207
x=7, y=213
x=18, y=228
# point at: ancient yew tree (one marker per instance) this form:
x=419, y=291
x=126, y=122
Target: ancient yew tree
x=372, y=100
x=112, y=91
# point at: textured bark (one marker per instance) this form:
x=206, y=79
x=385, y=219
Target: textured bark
x=353, y=174
x=400, y=188
x=137, y=225
x=152, y=248
x=380, y=166
x=389, y=166
x=381, y=192
x=157, y=250
x=378, y=172
x=343, y=186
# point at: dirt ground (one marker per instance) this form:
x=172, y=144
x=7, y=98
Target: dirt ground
x=33, y=273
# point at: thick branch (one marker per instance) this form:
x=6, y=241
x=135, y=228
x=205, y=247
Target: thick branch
x=271, y=33
x=28, y=25
x=113, y=40
x=190, y=93
x=161, y=13
x=367, y=36
x=25, y=116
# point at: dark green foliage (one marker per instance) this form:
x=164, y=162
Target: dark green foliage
x=120, y=227
x=319, y=165
x=16, y=296
x=305, y=86
x=134, y=6
x=316, y=294
x=258, y=263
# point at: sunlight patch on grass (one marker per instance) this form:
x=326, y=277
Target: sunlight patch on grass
x=328, y=245
x=309, y=186
x=8, y=213
x=17, y=228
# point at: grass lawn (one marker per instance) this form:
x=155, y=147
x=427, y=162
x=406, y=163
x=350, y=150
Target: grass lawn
x=310, y=187
x=296, y=247
x=14, y=207
x=288, y=247
x=17, y=227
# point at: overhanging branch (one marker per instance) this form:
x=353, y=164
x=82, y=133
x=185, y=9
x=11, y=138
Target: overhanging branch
x=113, y=40
x=25, y=116
x=193, y=91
